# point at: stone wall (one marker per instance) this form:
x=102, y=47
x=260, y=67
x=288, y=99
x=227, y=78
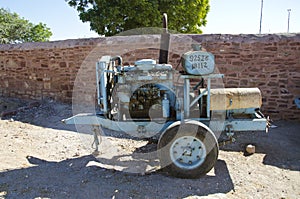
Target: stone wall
x=56, y=69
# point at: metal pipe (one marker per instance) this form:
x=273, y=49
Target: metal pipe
x=186, y=98
x=197, y=98
x=98, y=82
x=261, y=12
x=289, y=14
x=164, y=42
x=101, y=66
x=103, y=96
x=208, y=98
x=118, y=58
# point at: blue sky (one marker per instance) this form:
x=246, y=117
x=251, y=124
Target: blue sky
x=225, y=16
x=243, y=16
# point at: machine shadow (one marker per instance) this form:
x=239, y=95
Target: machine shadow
x=72, y=178
x=280, y=145
x=138, y=164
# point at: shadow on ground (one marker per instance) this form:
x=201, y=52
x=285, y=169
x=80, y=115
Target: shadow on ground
x=281, y=144
x=73, y=179
x=44, y=113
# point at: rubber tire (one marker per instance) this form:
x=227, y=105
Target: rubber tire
x=189, y=129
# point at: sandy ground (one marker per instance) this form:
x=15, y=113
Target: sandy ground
x=43, y=158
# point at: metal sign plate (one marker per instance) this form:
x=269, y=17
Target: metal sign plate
x=198, y=63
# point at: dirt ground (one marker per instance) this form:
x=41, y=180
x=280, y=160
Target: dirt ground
x=43, y=158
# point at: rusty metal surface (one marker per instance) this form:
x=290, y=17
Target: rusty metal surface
x=235, y=98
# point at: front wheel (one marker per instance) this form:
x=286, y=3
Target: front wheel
x=188, y=150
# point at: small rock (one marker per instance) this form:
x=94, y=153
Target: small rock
x=250, y=149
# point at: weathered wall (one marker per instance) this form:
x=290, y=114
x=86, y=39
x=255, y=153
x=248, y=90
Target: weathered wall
x=51, y=69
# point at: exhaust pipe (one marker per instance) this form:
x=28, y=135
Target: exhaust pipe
x=164, y=42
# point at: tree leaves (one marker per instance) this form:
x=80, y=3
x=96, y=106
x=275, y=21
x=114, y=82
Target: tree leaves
x=110, y=17
x=14, y=29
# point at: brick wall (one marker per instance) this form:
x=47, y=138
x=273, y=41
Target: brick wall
x=55, y=69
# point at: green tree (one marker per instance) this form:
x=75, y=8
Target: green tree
x=109, y=17
x=14, y=29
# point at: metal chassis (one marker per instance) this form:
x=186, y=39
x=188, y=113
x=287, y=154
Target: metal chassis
x=146, y=128
x=186, y=101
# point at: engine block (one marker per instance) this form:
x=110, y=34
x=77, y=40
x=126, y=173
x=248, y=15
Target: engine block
x=143, y=91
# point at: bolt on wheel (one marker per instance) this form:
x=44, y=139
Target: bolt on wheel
x=187, y=152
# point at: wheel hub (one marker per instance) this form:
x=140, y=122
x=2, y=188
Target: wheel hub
x=187, y=152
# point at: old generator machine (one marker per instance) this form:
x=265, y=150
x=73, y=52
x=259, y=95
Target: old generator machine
x=145, y=100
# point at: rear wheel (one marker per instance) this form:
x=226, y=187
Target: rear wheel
x=188, y=150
